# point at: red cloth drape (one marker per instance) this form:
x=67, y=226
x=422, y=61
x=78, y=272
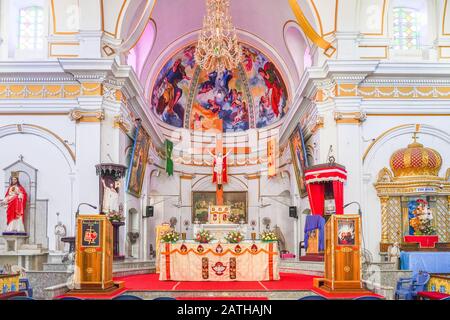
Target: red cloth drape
x=338, y=191
x=316, y=195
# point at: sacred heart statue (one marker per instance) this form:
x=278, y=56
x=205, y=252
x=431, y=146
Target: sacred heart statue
x=219, y=268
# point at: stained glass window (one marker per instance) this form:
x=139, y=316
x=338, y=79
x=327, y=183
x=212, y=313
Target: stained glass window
x=406, y=28
x=31, y=28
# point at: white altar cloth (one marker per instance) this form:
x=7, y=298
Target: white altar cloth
x=245, y=261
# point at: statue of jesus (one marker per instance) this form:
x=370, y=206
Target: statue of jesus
x=15, y=201
x=220, y=168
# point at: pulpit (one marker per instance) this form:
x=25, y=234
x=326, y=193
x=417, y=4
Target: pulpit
x=342, y=255
x=325, y=186
x=94, y=253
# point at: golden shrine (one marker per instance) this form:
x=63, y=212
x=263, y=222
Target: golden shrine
x=413, y=183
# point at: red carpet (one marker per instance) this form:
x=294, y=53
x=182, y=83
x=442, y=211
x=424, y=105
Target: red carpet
x=287, y=282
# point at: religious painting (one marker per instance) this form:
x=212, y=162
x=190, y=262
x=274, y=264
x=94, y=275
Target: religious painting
x=266, y=87
x=346, y=232
x=236, y=200
x=138, y=161
x=171, y=89
x=419, y=220
x=90, y=231
x=299, y=158
x=220, y=103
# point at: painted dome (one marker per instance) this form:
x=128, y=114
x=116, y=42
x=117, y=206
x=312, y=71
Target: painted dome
x=253, y=95
x=415, y=160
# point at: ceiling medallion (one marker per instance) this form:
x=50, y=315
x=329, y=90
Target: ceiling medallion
x=218, y=47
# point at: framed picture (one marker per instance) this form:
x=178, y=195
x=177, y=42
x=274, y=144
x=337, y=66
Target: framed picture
x=202, y=200
x=299, y=159
x=417, y=215
x=138, y=161
x=346, y=232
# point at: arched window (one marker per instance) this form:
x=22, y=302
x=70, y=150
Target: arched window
x=31, y=28
x=406, y=28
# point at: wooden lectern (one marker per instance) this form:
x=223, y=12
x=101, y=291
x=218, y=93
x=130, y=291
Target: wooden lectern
x=94, y=253
x=342, y=255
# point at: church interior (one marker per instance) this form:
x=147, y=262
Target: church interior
x=224, y=149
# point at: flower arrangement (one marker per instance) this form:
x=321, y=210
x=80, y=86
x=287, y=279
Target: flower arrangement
x=234, y=237
x=170, y=236
x=115, y=216
x=235, y=217
x=268, y=236
x=421, y=218
x=203, y=236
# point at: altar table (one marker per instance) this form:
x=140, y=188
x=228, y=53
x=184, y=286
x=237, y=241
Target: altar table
x=245, y=261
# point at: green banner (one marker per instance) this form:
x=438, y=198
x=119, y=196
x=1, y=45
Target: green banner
x=169, y=162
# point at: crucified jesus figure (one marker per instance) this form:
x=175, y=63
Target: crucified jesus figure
x=219, y=167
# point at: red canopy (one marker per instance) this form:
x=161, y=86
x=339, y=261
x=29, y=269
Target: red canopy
x=316, y=177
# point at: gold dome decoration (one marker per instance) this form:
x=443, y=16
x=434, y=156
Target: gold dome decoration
x=415, y=160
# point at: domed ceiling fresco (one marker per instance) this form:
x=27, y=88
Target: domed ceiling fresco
x=253, y=95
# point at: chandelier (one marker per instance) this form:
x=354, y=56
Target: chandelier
x=218, y=47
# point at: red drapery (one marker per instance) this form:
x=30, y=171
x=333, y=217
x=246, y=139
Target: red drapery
x=316, y=194
x=338, y=191
x=316, y=177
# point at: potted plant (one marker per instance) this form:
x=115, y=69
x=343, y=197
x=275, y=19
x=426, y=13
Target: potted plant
x=170, y=237
x=234, y=237
x=268, y=236
x=203, y=236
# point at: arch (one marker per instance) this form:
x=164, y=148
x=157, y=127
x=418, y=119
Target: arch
x=398, y=131
x=44, y=133
x=296, y=43
x=204, y=184
x=139, y=52
x=190, y=38
x=183, y=118
x=130, y=34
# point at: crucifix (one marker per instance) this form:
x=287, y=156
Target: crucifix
x=219, y=168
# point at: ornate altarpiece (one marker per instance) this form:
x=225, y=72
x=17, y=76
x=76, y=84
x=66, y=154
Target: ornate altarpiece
x=394, y=194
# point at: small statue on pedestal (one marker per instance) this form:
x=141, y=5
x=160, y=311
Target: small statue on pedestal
x=60, y=232
x=394, y=253
x=15, y=201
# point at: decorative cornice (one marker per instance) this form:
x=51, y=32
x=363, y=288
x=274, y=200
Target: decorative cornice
x=253, y=176
x=350, y=117
x=122, y=123
x=186, y=176
x=81, y=115
x=318, y=124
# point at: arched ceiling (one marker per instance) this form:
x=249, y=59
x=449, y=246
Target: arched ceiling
x=254, y=95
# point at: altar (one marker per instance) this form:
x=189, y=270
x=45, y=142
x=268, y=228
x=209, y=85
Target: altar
x=216, y=261
x=220, y=231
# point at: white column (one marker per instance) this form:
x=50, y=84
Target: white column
x=88, y=150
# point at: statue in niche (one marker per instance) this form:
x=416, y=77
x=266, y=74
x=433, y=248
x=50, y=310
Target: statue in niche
x=110, y=203
x=60, y=232
x=15, y=201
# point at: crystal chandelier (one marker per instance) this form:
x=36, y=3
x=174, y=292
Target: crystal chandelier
x=218, y=47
